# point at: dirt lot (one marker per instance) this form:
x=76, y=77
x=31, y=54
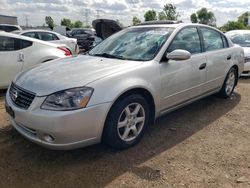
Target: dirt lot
x=206, y=144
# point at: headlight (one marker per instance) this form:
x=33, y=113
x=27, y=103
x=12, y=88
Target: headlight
x=70, y=99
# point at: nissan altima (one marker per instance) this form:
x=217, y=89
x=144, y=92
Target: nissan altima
x=121, y=86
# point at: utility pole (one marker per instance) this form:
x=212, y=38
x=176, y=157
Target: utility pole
x=86, y=11
x=98, y=13
x=27, y=21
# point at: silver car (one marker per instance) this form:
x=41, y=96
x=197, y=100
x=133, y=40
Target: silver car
x=117, y=90
x=242, y=38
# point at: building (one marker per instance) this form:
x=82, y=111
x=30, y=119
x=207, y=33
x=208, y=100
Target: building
x=8, y=20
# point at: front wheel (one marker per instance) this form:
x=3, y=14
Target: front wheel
x=126, y=122
x=229, y=84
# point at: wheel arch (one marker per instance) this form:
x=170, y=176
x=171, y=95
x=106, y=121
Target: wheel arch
x=137, y=90
x=237, y=71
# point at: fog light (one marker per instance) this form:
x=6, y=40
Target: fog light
x=48, y=138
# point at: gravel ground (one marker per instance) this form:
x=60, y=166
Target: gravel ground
x=206, y=144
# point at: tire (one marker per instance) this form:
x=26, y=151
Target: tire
x=229, y=84
x=132, y=115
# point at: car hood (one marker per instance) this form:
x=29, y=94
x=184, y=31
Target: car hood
x=105, y=27
x=71, y=72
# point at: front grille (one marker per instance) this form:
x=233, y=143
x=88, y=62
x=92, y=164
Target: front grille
x=20, y=97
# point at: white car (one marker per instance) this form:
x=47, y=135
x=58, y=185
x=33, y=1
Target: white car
x=18, y=53
x=242, y=38
x=52, y=37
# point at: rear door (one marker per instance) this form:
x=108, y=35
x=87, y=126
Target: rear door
x=11, y=62
x=218, y=57
x=183, y=80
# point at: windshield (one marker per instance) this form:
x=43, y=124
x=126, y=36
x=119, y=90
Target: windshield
x=139, y=43
x=241, y=39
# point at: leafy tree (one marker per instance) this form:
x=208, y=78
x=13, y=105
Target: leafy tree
x=78, y=24
x=50, y=22
x=66, y=22
x=204, y=16
x=244, y=18
x=232, y=25
x=150, y=15
x=170, y=12
x=136, y=20
x=162, y=16
x=194, y=18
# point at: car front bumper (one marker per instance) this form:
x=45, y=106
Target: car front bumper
x=69, y=129
x=246, y=71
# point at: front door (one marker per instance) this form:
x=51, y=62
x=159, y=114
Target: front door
x=183, y=80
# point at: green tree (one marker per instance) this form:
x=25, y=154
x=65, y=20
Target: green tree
x=136, y=20
x=170, y=12
x=244, y=18
x=150, y=15
x=162, y=15
x=194, y=18
x=204, y=16
x=78, y=24
x=50, y=22
x=232, y=25
x=66, y=22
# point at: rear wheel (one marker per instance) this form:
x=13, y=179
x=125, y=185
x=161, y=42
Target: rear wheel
x=229, y=83
x=126, y=122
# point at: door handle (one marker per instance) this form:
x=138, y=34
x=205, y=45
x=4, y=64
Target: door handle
x=229, y=57
x=20, y=57
x=202, y=66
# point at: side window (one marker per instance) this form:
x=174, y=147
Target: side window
x=13, y=44
x=83, y=32
x=212, y=39
x=25, y=44
x=225, y=41
x=47, y=36
x=7, y=44
x=54, y=37
x=30, y=34
x=187, y=39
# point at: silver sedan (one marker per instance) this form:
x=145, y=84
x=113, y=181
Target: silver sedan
x=120, y=87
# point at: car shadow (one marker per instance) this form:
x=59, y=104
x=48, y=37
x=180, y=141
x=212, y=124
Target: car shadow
x=99, y=165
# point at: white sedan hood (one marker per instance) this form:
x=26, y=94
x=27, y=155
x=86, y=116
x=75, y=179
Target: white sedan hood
x=68, y=73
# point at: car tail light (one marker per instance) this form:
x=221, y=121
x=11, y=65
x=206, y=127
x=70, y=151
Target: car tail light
x=65, y=50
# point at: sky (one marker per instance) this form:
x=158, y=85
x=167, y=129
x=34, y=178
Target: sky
x=36, y=10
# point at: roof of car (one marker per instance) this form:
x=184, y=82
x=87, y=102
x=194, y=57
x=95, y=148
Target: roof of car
x=35, y=30
x=7, y=34
x=238, y=31
x=10, y=25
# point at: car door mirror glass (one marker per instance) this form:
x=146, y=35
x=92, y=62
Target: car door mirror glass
x=178, y=55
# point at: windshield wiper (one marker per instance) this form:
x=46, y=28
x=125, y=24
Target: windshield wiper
x=109, y=55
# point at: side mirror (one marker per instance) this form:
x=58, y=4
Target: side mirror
x=178, y=55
